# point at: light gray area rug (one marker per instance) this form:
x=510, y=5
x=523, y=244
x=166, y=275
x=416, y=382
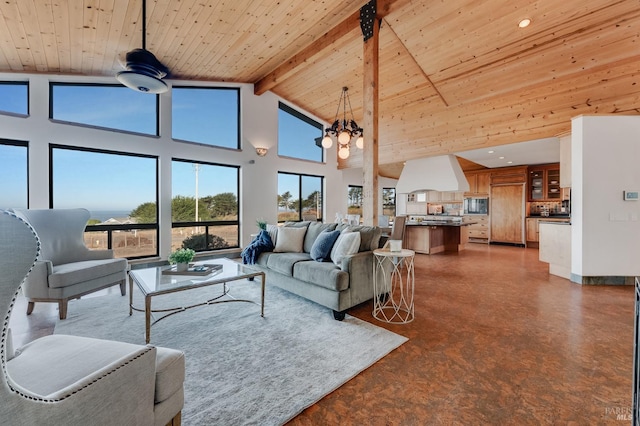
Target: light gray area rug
x=243, y=369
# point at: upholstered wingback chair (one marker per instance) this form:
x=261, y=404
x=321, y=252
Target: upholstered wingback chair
x=66, y=268
x=70, y=380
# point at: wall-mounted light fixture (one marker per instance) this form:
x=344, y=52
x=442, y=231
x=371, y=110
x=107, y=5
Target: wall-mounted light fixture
x=261, y=151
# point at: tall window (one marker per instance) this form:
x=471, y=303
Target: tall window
x=389, y=202
x=204, y=206
x=13, y=172
x=207, y=115
x=104, y=105
x=300, y=197
x=119, y=189
x=354, y=200
x=298, y=135
x=14, y=97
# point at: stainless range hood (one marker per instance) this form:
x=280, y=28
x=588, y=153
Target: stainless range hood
x=441, y=173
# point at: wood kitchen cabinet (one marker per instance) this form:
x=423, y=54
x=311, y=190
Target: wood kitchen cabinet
x=543, y=183
x=507, y=213
x=533, y=228
x=416, y=238
x=479, y=183
x=479, y=231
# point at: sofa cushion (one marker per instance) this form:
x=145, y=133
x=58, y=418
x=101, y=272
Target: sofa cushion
x=321, y=249
x=369, y=235
x=284, y=262
x=290, y=240
x=77, y=272
x=52, y=363
x=322, y=274
x=347, y=244
x=314, y=229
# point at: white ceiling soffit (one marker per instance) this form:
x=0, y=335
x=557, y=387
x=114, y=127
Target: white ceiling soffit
x=442, y=173
x=539, y=151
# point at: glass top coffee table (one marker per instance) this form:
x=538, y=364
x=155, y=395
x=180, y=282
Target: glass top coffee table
x=153, y=282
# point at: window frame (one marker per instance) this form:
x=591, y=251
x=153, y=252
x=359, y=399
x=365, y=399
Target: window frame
x=112, y=228
x=52, y=84
x=18, y=83
x=23, y=144
x=395, y=199
x=238, y=111
x=207, y=223
x=299, y=115
x=300, y=176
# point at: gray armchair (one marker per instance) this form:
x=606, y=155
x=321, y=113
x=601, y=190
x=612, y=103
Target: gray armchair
x=70, y=380
x=66, y=268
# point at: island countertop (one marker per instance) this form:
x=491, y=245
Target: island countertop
x=436, y=236
x=439, y=223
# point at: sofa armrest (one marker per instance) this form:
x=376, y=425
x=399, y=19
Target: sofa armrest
x=51, y=394
x=360, y=269
x=355, y=262
x=36, y=284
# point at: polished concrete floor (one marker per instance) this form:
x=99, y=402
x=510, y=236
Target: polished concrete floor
x=496, y=340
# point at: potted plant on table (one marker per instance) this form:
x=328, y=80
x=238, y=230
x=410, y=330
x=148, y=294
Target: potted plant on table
x=181, y=258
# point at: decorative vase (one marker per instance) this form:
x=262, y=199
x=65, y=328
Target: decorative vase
x=182, y=267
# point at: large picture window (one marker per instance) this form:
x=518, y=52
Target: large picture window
x=207, y=115
x=13, y=172
x=298, y=135
x=104, y=105
x=204, y=206
x=354, y=200
x=14, y=97
x=300, y=197
x=119, y=189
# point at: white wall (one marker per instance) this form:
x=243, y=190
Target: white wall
x=258, y=180
x=605, y=158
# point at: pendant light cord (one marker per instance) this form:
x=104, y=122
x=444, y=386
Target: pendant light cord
x=144, y=24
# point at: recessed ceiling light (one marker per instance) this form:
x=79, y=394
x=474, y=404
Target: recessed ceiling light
x=524, y=23
x=502, y=158
x=491, y=152
x=509, y=162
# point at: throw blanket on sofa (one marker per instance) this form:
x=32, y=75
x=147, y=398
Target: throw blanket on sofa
x=260, y=244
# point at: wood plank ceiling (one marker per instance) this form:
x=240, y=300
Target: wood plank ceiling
x=454, y=75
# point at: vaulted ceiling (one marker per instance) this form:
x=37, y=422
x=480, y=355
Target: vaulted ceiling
x=454, y=75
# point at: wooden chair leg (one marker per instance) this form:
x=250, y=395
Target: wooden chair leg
x=30, y=306
x=176, y=421
x=123, y=287
x=62, y=307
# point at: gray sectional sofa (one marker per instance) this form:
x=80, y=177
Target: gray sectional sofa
x=338, y=287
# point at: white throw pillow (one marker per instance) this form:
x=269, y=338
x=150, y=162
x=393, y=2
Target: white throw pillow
x=290, y=239
x=347, y=244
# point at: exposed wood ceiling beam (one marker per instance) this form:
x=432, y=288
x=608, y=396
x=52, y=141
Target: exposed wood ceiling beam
x=426, y=76
x=282, y=72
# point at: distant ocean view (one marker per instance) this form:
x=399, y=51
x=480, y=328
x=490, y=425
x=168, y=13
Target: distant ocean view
x=103, y=215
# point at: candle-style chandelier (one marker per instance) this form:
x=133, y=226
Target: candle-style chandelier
x=343, y=131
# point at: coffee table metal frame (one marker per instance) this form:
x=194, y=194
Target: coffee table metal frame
x=152, y=282
x=393, y=294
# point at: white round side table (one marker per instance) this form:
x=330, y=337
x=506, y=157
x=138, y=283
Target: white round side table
x=393, y=286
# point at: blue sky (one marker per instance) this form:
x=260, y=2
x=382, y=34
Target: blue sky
x=100, y=181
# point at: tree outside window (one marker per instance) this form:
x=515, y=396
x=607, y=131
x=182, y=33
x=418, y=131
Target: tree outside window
x=300, y=197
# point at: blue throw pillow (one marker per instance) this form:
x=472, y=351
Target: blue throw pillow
x=321, y=248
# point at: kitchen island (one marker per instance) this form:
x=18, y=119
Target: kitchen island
x=555, y=247
x=437, y=236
